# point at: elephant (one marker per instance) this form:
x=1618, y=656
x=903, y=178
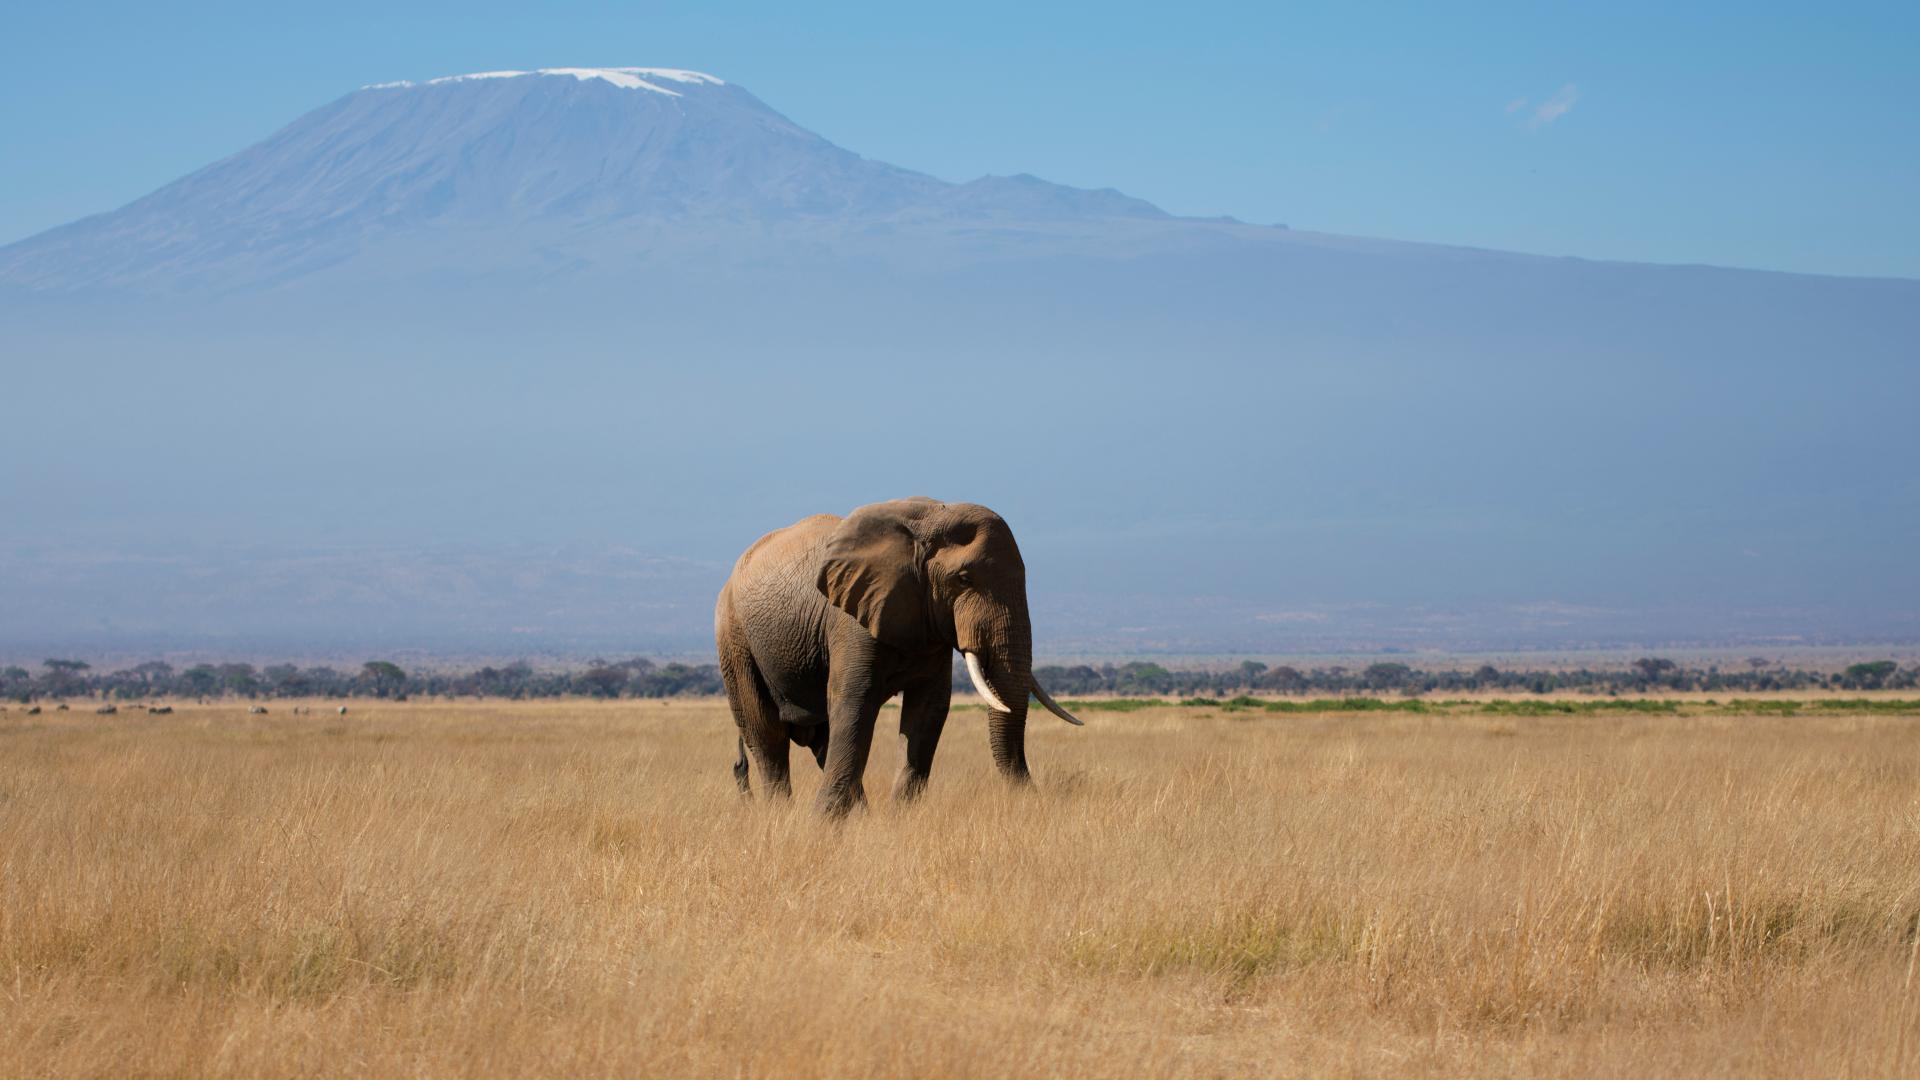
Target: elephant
x=824, y=621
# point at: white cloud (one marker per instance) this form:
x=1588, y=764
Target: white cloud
x=1555, y=107
x=1516, y=105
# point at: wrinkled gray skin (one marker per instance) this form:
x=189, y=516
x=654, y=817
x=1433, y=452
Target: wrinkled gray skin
x=824, y=621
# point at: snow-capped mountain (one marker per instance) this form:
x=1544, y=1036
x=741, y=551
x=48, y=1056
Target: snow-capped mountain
x=553, y=152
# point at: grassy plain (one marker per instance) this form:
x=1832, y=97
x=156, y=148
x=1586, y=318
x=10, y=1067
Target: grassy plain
x=571, y=888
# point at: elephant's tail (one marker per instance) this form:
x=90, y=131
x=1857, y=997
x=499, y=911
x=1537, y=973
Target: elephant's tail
x=740, y=765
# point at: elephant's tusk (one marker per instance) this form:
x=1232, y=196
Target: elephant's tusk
x=1054, y=706
x=981, y=686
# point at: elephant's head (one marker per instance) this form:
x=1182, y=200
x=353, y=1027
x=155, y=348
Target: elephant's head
x=920, y=574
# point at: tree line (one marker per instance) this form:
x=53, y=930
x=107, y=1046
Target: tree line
x=643, y=678
x=637, y=677
x=1645, y=675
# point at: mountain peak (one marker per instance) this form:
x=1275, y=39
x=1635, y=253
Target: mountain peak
x=626, y=78
x=567, y=166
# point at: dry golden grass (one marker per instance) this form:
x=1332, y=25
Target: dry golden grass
x=571, y=888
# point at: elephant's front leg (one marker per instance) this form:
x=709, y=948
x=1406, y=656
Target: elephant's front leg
x=853, y=704
x=923, y=714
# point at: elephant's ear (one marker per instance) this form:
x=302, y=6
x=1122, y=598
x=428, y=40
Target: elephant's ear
x=871, y=570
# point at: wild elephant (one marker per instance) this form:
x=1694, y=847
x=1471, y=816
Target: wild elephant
x=824, y=621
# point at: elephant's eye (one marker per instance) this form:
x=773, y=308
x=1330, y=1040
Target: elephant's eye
x=963, y=577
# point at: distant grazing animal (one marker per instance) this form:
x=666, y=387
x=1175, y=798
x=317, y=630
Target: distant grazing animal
x=62, y=707
x=825, y=620
x=33, y=710
x=257, y=710
x=160, y=710
x=106, y=710
x=343, y=710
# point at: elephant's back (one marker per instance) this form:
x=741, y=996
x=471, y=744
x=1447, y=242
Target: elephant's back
x=772, y=606
x=777, y=573
x=782, y=550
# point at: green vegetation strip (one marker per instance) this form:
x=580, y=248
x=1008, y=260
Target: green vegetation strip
x=1124, y=704
x=1862, y=705
x=1525, y=707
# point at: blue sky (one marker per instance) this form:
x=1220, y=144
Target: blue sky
x=1725, y=133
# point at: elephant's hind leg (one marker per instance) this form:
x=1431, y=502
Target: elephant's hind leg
x=763, y=738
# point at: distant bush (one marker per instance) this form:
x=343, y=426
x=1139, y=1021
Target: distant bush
x=1868, y=676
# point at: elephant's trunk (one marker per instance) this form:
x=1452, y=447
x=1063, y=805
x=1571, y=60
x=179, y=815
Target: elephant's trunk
x=1006, y=667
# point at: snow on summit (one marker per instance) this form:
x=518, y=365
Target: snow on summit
x=627, y=78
